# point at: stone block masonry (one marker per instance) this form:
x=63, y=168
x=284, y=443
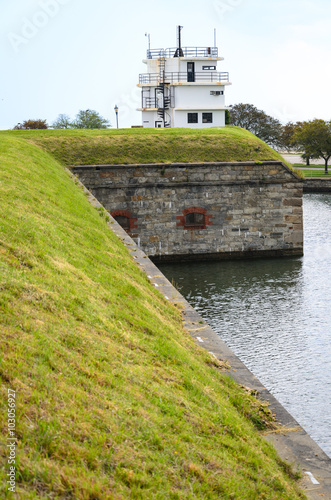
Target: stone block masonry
x=204, y=210
x=317, y=185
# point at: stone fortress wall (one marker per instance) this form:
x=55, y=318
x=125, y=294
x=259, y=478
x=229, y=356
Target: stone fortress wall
x=203, y=210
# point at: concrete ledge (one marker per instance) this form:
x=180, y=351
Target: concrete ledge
x=180, y=165
x=293, y=444
x=318, y=185
x=246, y=255
x=185, y=166
x=148, y=185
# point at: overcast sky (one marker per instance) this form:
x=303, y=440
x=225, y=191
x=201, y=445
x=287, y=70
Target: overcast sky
x=60, y=56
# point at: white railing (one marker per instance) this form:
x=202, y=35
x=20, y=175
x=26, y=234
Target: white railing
x=183, y=52
x=179, y=77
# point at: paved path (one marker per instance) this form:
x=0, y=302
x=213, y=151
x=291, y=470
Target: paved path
x=296, y=158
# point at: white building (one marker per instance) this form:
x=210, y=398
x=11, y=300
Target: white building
x=182, y=87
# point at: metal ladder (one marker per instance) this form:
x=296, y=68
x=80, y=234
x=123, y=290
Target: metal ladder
x=161, y=88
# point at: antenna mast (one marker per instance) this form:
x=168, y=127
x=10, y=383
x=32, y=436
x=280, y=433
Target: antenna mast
x=149, y=44
x=179, y=50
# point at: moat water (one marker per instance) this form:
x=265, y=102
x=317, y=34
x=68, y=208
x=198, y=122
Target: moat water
x=276, y=317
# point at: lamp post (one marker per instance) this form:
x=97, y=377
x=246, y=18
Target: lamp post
x=116, y=113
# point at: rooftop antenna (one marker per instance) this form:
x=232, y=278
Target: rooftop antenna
x=149, y=44
x=215, y=38
x=179, y=51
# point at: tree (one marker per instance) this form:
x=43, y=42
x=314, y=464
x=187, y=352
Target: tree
x=314, y=139
x=89, y=119
x=31, y=125
x=227, y=117
x=307, y=158
x=62, y=121
x=265, y=127
x=286, y=137
x=290, y=132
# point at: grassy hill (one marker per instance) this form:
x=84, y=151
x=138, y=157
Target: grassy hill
x=125, y=146
x=113, y=398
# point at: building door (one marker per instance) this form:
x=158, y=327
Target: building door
x=158, y=124
x=190, y=72
x=158, y=98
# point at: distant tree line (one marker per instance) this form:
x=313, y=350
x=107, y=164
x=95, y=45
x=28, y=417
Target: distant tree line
x=312, y=138
x=84, y=119
x=31, y=124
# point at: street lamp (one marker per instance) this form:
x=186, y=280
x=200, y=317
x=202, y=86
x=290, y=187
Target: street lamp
x=116, y=113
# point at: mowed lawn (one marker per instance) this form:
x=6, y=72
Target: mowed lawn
x=130, y=146
x=113, y=398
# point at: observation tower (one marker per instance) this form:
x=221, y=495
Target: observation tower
x=183, y=87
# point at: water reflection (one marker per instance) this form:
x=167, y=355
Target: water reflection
x=274, y=314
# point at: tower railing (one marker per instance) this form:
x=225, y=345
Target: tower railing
x=185, y=52
x=152, y=102
x=181, y=77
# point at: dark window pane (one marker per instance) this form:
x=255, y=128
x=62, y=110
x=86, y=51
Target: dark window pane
x=123, y=221
x=194, y=219
x=207, y=117
x=192, y=117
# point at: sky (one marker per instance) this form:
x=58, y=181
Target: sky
x=61, y=56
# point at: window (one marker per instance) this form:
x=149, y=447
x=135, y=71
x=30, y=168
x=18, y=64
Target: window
x=192, y=117
x=209, y=67
x=207, y=117
x=190, y=72
x=194, y=219
x=123, y=221
x=216, y=92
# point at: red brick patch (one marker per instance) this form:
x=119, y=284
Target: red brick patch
x=126, y=213
x=190, y=210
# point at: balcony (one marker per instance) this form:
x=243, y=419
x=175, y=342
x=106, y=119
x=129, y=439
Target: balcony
x=182, y=77
x=183, y=52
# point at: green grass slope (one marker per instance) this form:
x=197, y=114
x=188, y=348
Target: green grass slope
x=113, y=398
x=125, y=146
